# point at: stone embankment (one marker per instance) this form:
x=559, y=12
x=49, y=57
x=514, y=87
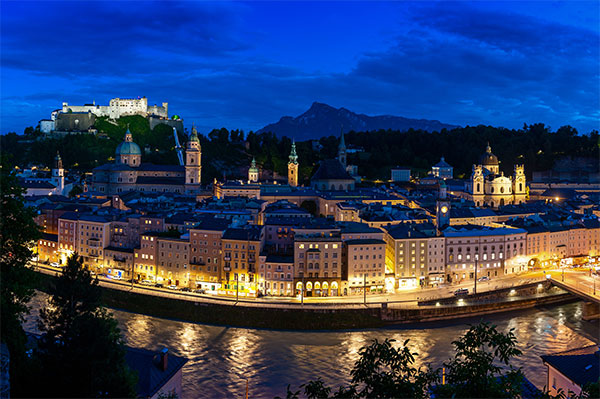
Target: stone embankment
x=288, y=316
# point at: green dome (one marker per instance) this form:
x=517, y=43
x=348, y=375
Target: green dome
x=128, y=148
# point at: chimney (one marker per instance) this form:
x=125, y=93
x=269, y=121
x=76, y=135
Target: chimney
x=164, y=359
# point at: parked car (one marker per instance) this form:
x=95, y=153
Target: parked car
x=55, y=264
x=484, y=278
x=186, y=289
x=461, y=292
x=147, y=282
x=158, y=285
x=172, y=287
x=199, y=291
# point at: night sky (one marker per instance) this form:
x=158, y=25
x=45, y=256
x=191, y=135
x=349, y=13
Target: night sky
x=244, y=65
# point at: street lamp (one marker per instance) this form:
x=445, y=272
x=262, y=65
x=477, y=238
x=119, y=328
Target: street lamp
x=365, y=288
x=302, y=292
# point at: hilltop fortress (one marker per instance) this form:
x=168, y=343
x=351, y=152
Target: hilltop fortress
x=82, y=118
x=118, y=107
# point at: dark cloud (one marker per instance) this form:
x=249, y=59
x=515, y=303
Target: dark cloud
x=453, y=62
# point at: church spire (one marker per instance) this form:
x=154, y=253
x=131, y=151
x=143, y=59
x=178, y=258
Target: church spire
x=128, y=136
x=293, y=155
x=58, y=161
x=342, y=141
x=342, y=150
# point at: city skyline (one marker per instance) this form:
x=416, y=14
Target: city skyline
x=244, y=65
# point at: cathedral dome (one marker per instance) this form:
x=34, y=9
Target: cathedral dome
x=488, y=158
x=128, y=147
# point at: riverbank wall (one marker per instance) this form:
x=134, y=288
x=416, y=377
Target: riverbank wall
x=310, y=317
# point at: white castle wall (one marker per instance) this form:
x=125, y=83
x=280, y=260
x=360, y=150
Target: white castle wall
x=118, y=107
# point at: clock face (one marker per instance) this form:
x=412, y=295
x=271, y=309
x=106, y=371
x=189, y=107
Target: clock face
x=444, y=209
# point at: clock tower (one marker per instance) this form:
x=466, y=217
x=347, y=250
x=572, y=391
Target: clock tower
x=442, y=208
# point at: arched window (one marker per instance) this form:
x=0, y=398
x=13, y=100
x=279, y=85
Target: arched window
x=520, y=187
x=299, y=285
x=502, y=190
x=478, y=187
x=334, y=285
x=309, y=286
x=317, y=286
x=492, y=190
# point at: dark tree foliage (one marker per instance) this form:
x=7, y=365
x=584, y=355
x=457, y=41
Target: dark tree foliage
x=310, y=206
x=382, y=371
x=81, y=349
x=228, y=153
x=18, y=233
x=481, y=368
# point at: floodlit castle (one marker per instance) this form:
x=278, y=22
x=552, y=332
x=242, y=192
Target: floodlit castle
x=489, y=186
x=118, y=107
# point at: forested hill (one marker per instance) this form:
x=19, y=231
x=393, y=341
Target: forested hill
x=229, y=153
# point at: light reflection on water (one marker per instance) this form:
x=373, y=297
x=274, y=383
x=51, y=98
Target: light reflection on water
x=222, y=359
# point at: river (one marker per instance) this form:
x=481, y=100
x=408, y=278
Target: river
x=221, y=359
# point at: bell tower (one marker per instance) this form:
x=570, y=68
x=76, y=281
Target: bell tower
x=58, y=174
x=293, y=166
x=442, y=208
x=342, y=151
x=253, y=172
x=477, y=185
x=519, y=184
x=193, y=163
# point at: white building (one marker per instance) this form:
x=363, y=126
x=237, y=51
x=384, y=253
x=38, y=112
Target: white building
x=489, y=186
x=442, y=170
x=494, y=251
x=118, y=107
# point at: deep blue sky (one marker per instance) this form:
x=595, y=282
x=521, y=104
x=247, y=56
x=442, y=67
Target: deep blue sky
x=244, y=65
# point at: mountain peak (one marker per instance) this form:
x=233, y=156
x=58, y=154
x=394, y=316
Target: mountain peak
x=324, y=120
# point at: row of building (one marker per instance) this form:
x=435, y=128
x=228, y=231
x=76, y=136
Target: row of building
x=248, y=246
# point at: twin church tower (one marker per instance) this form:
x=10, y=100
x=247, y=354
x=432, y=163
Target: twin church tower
x=292, y=168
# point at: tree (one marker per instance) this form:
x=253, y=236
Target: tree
x=75, y=191
x=81, y=350
x=310, y=206
x=18, y=234
x=382, y=371
x=482, y=367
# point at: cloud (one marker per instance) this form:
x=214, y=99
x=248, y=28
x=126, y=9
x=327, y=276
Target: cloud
x=455, y=62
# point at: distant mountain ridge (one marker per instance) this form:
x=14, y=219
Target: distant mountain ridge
x=324, y=120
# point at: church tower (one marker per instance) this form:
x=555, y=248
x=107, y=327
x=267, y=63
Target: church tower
x=293, y=166
x=442, y=207
x=519, y=184
x=58, y=174
x=253, y=172
x=477, y=185
x=193, y=164
x=342, y=151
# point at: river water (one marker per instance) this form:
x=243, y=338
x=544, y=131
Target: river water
x=223, y=359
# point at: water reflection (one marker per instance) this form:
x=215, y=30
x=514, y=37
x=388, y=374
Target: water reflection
x=222, y=359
